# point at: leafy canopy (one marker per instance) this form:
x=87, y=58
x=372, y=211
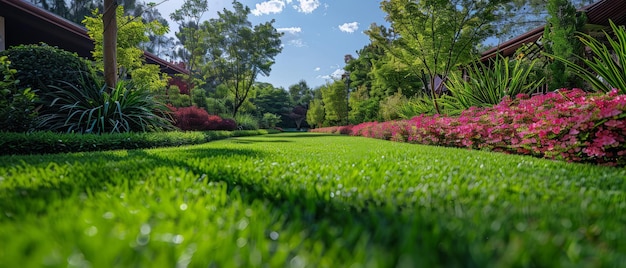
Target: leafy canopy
x=132, y=31
x=434, y=37
x=239, y=52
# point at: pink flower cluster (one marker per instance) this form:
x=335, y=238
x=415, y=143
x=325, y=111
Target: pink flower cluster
x=569, y=125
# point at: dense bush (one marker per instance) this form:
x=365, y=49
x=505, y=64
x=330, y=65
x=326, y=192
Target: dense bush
x=270, y=120
x=218, y=123
x=17, y=104
x=89, y=108
x=570, y=125
x=246, y=122
x=190, y=118
x=41, y=66
x=194, y=118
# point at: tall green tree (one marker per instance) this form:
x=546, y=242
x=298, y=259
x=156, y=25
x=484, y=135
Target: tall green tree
x=239, y=52
x=363, y=107
x=437, y=36
x=316, y=114
x=334, y=97
x=559, y=40
x=271, y=100
x=190, y=35
x=301, y=93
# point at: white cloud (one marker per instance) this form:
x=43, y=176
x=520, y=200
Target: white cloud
x=268, y=7
x=297, y=43
x=307, y=6
x=291, y=30
x=336, y=75
x=349, y=27
x=291, y=36
x=317, y=69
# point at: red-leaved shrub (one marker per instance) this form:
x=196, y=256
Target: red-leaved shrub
x=218, y=123
x=191, y=118
x=197, y=119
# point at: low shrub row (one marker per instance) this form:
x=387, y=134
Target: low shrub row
x=569, y=125
x=50, y=142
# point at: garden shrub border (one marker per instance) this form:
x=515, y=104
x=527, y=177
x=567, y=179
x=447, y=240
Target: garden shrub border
x=568, y=124
x=51, y=142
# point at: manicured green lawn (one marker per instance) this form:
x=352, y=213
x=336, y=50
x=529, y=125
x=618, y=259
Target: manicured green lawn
x=308, y=200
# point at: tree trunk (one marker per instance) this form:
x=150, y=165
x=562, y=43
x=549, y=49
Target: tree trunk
x=433, y=92
x=110, y=44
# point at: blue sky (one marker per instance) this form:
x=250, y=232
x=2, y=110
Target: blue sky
x=318, y=33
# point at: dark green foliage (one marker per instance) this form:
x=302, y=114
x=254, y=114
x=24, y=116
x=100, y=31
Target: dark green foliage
x=606, y=70
x=270, y=120
x=199, y=98
x=17, y=104
x=50, y=142
x=301, y=93
x=247, y=122
x=88, y=108
x=41, y=66
x=271, y=100
x=363, y=107
x=559, y=40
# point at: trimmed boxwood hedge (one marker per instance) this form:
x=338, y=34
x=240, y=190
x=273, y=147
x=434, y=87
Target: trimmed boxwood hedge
x=50, y=142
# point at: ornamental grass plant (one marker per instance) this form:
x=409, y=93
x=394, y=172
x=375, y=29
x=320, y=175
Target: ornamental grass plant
x=488, y=85
x=90, y=108
x=605, y=70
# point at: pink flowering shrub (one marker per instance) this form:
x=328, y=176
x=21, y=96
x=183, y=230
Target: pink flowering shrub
x=569, y=125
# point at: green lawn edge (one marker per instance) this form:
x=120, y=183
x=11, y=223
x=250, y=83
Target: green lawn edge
x=309, y=200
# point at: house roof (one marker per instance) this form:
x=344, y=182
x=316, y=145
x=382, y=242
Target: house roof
x=598, y=13
x=26, y=23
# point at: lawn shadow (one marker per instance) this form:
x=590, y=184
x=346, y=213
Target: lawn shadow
x=20, y=201
x=252, y=141
x=386, y=227
x=302, y=135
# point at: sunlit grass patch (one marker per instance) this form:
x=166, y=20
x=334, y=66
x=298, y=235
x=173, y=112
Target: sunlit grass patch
x=308, y=200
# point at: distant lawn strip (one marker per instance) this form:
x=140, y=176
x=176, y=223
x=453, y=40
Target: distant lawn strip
x=49, y=142
x=309, y=200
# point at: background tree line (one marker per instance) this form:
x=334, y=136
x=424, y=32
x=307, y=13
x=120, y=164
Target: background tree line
x=423, y=44
x=402, y=71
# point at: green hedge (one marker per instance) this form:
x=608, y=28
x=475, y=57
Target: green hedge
x=49, y=142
